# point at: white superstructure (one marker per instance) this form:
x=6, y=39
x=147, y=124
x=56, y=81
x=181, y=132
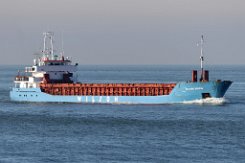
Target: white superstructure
x=47, y=67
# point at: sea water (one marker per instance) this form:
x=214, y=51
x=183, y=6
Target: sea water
x=199, y=131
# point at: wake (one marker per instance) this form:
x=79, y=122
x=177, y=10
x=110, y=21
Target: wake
x=209, y=101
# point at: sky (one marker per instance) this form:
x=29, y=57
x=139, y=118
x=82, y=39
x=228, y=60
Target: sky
x=125, y=32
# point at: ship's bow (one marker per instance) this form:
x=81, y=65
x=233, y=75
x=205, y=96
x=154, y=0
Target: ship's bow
x=222, y=87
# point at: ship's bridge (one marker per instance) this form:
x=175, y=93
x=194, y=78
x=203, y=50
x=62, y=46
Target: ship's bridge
x=56, y=64
x=57, y=68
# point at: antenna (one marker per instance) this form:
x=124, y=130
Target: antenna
x=44, y=42
x=62, y=43
x=51, y=43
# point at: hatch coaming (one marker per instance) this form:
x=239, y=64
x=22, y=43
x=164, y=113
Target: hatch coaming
x=108, y=89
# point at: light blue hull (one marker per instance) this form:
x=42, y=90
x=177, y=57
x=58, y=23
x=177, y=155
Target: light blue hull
x=182, y=92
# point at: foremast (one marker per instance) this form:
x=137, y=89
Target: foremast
x=202, y=58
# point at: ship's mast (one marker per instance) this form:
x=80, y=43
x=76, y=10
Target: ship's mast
x=202, y=58
x=48, y=51
x=44, y=42
x=62, y=44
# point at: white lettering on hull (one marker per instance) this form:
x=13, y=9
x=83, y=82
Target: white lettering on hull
x=116, y=99
x=193, y=89
x=100, y=99
x=79, y=98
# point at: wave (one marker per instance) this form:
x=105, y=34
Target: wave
x=210, y=101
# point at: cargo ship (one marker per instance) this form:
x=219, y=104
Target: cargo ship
x=52, y=79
